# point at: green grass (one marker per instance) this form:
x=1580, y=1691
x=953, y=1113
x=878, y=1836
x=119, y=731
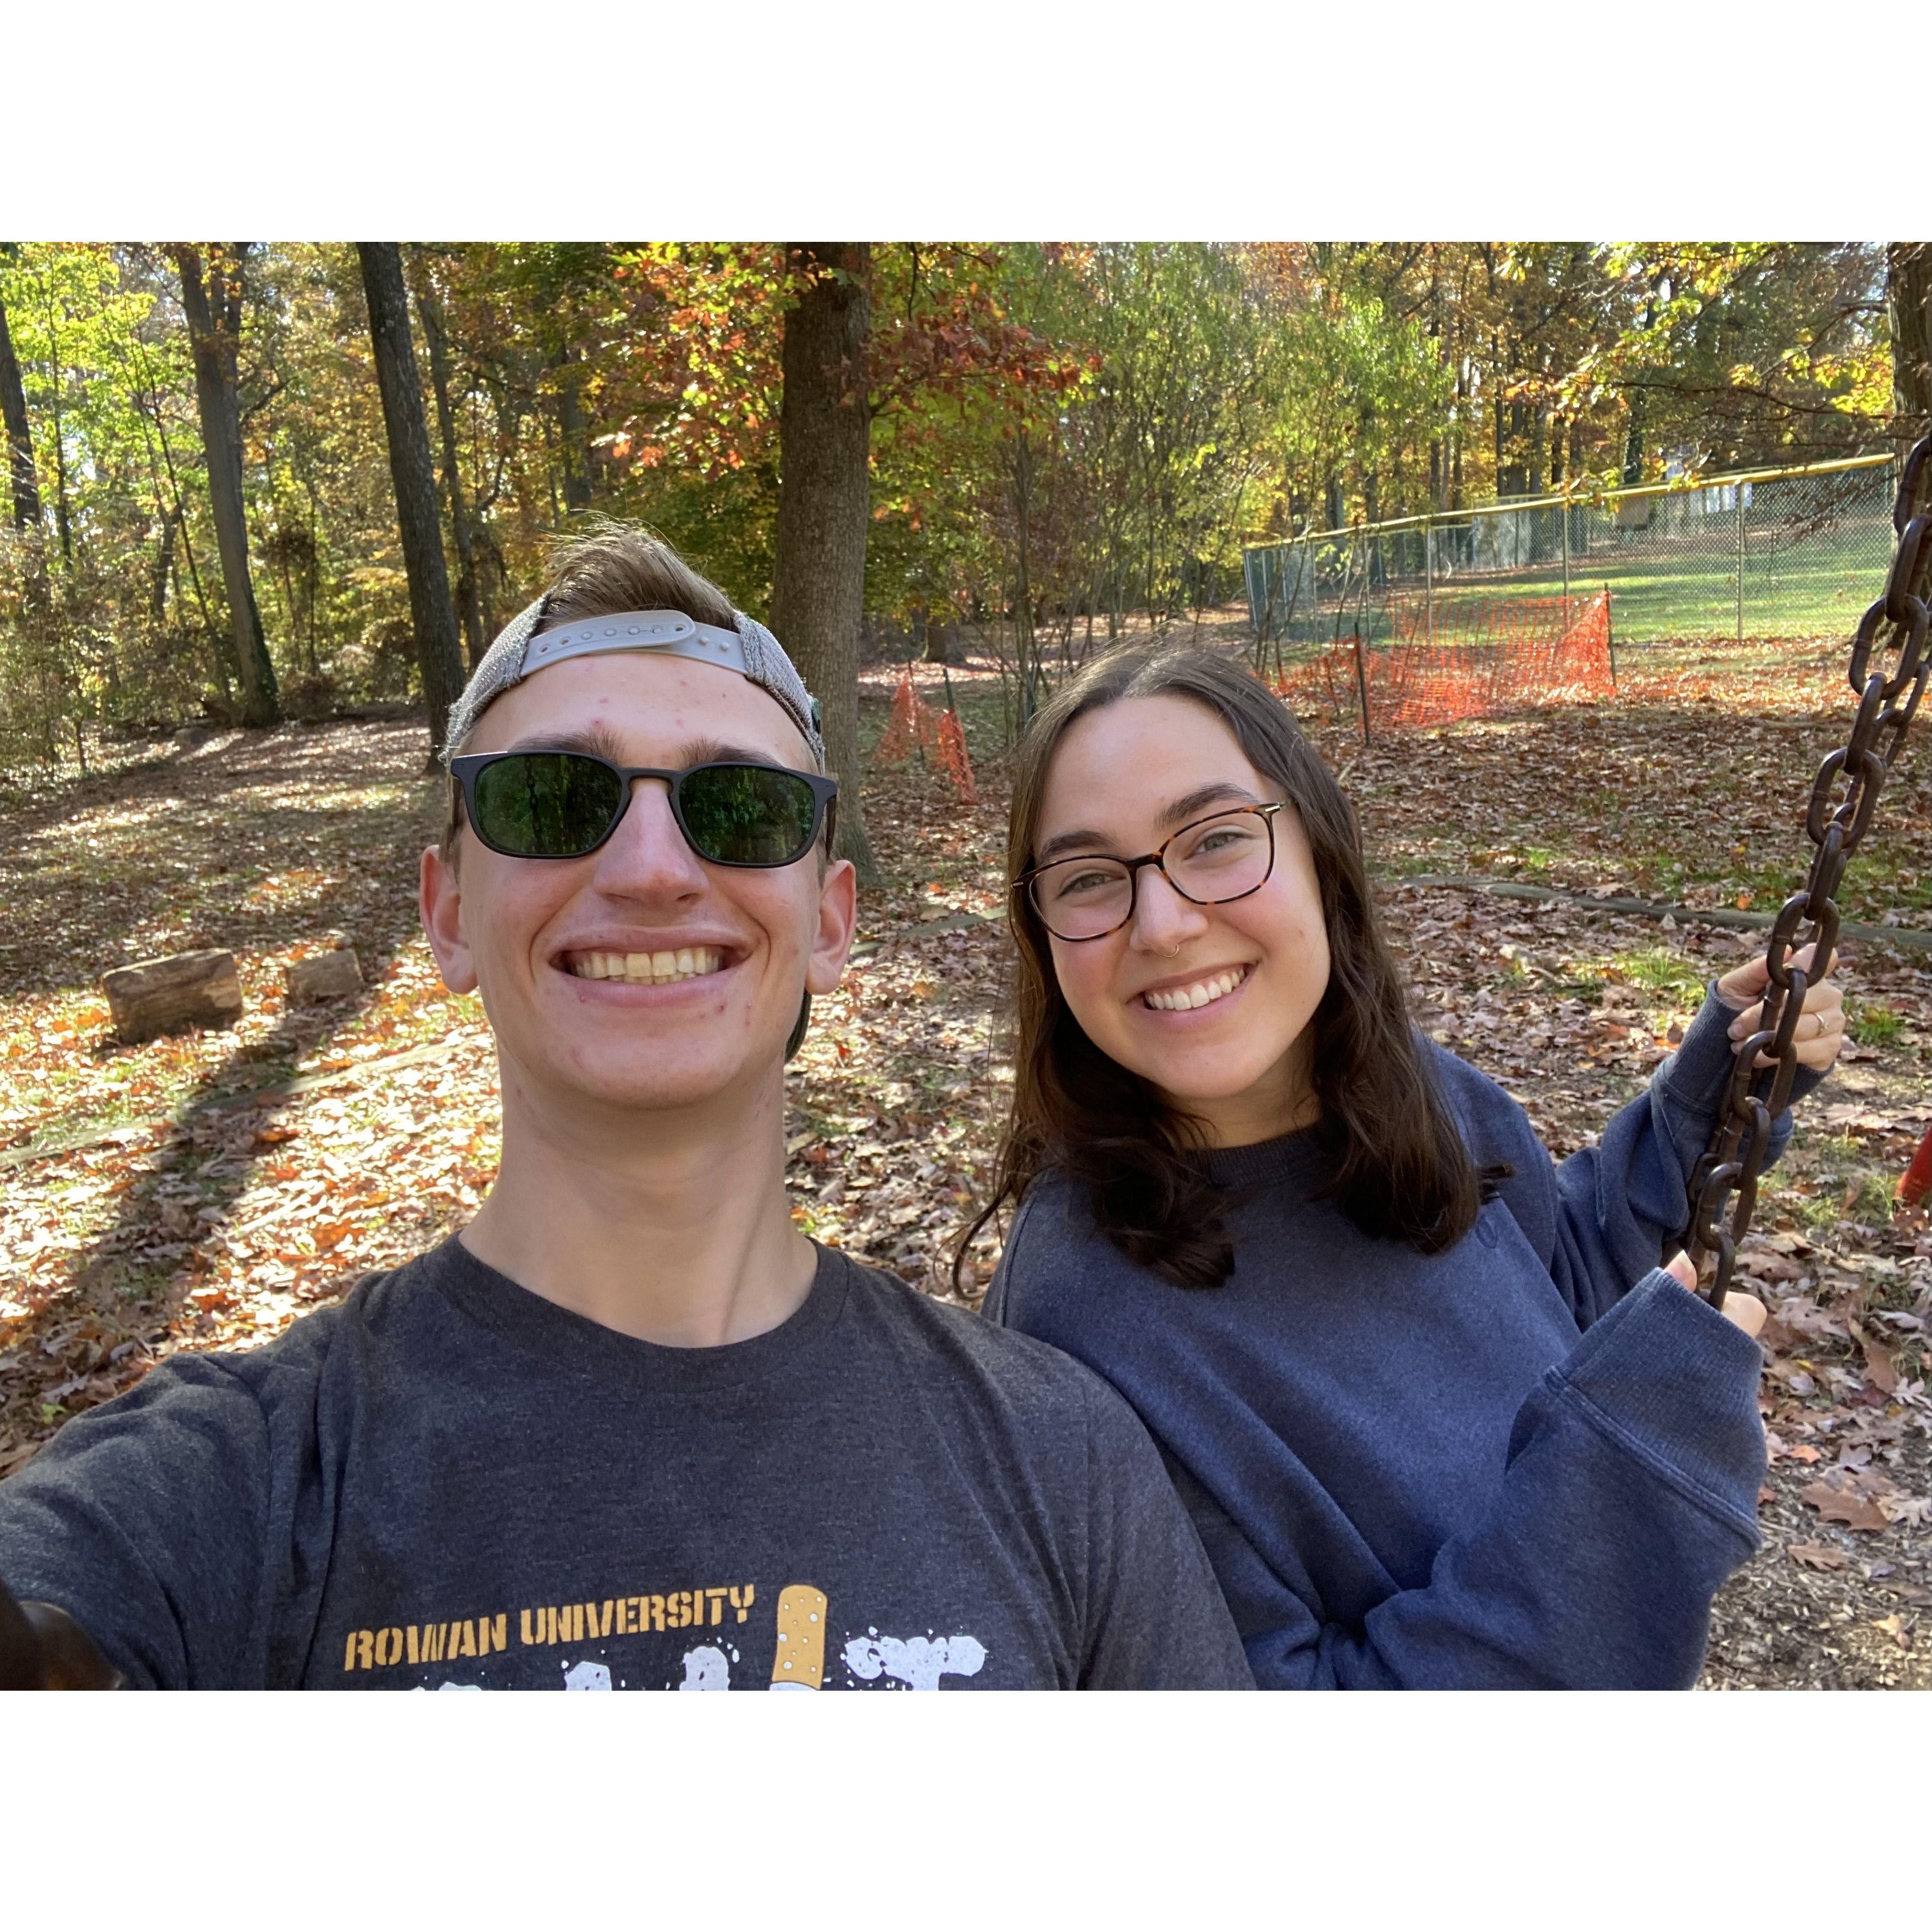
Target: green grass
x=1873, y=1201
x=1873, y=1025
x=1669, y=588
x=1657, y=970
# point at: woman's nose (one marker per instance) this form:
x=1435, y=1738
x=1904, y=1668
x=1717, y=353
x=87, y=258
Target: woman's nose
x=1163, y=919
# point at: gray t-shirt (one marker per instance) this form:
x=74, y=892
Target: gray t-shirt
x=448, y=1482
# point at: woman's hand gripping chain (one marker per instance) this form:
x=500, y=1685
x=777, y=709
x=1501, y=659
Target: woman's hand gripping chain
x=1821, y=1026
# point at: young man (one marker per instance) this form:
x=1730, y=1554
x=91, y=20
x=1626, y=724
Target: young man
x=629, y=1430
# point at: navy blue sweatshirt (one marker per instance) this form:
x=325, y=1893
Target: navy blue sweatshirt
x=1530, y=1461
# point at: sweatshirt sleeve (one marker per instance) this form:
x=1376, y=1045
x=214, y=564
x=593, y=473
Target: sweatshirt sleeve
x=1630, y=1495
x=1603, y=1219
x=145, y=1520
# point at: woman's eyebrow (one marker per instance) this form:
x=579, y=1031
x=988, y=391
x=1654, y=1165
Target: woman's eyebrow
x=1178, y=813
x=1191, y=806
x=1071, y=842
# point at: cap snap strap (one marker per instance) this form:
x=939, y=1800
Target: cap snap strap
x=670, y=631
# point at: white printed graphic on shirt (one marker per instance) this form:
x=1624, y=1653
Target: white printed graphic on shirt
x=799, y=1658
x=917, y=1662
x=706, y=1668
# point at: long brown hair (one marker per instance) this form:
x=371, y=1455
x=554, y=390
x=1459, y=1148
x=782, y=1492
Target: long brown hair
x=1399, y=1167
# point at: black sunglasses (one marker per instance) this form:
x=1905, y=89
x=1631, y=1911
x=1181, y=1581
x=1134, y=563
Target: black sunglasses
x=563, y=805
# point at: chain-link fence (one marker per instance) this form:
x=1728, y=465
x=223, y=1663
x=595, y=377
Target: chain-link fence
x=1774, y=554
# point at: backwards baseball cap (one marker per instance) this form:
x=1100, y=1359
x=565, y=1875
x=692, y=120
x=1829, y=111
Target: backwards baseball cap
x=523, y=647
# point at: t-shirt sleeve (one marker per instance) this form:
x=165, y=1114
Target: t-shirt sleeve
x=1156, y=1618
x=145, y=1519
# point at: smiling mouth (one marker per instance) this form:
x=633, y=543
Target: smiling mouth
x=647, y=969
x=1202, y=993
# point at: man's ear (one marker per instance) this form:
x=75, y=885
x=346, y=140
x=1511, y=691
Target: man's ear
x=838, y=920
x=439, y=901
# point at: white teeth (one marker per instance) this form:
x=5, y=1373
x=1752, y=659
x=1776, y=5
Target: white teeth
x=649, y=969
x=1202, y=993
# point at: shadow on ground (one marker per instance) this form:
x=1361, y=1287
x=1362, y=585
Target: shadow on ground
x=158, y=858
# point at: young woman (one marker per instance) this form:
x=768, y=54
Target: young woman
x=1439, y=1416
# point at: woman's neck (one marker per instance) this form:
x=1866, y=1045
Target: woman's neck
x=1283, y=1101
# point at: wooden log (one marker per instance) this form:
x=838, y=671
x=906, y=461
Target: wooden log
x=190, y=989
x=334, y=975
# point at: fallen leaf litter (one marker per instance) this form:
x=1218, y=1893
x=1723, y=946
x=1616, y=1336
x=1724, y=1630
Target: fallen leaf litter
x=181, y=1224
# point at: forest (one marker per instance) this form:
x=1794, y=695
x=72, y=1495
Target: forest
x=1043, y=441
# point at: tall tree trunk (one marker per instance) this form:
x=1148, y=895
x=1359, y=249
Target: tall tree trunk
x=572, y=436
x=214, y=309
x=147, y=405
x=19, y=435
x=164, y=568
x=57, y=442
x=1026, y=645
x=1640, y=410
x=1908, y=296
x=818, y=577
x=431, y=613
x=1639, y=398
x=429, y=306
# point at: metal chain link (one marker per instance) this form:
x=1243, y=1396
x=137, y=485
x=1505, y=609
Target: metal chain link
x=1897, y=621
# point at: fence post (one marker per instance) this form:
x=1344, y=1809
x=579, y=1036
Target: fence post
x=1739, y=488
x=1429, y=580
x=1565, y=514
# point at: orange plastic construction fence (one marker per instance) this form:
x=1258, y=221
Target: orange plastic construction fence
x=1915, y=1184
x=917, y=726
x=1471, y=659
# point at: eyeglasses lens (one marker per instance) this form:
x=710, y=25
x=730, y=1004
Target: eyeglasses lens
x=748, y=815
x=1081, y=898
x=546, y=804
x=1224, y=858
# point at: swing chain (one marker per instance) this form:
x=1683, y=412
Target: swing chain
x=1730, y=1166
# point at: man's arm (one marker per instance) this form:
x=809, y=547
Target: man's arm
x=140, y=1529
x=42, y=1648
x=1156, y=1618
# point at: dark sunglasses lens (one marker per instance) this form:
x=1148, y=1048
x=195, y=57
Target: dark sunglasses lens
x=748, y=814
x=547, y=805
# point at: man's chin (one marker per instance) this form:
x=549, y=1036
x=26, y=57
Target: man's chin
x=641, y=1082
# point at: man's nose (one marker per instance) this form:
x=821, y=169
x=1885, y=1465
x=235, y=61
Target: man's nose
x=647, y=853
x=1164, y=919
